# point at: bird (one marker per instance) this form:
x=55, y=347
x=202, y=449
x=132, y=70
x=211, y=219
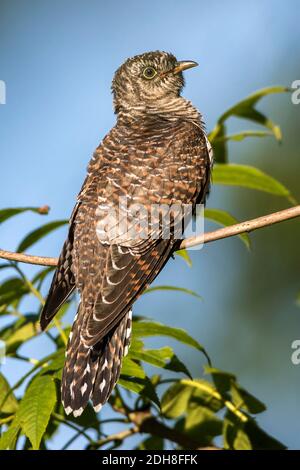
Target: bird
x=156, y=155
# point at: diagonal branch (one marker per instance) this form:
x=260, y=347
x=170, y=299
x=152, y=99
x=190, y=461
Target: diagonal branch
x=226, y=232
x=243, y=227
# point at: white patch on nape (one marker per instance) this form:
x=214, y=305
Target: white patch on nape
x=78, y=412
x=102, y=385
x=68, y=410
x=83, y=388
x=97, y=408
x=104, y=365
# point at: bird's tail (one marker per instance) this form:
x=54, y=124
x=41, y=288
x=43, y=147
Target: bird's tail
x=92, y=372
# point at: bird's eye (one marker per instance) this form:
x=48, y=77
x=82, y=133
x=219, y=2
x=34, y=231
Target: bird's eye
x=149, y=73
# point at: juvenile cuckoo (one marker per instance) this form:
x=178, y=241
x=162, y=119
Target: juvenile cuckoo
x=157, y=153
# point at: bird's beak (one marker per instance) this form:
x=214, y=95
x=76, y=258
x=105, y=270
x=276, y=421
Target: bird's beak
x=184, y=65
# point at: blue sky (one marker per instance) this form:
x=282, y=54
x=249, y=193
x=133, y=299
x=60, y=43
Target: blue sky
x=57, y=59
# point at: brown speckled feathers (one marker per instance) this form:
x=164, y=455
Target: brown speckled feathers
x=147, y=158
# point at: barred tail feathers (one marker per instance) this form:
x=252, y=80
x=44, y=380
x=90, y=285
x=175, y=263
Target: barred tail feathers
x=92, y=372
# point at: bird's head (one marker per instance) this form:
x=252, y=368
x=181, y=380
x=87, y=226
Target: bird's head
x=147, y=80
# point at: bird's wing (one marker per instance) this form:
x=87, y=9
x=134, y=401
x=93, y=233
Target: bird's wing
x=110, y=275
x=63, y=281
x=122, y=277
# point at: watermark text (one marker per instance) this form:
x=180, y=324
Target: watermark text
x=2, y=92
x=296, y=94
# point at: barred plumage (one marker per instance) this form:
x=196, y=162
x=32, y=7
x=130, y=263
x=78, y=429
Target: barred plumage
x=157, y=153
x=92, y=371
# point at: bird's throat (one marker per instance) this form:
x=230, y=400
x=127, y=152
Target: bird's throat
x=168, y=108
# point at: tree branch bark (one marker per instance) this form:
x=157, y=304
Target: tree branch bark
x=243, y=227
x=226, y=232
x=145, y=423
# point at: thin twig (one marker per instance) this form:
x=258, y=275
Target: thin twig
x=226, y=232
x=243, y=227
x=120, y=436
x=145, y=422
x=6, y=420
x=29, y=259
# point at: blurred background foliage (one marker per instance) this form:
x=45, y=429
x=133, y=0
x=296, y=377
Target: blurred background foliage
x=57, y=59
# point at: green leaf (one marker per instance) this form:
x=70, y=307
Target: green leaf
x=152, y=443
x=184, y=255
x=11, y=404
x=222, y=380
x=203, y=425
x=224, y=218
x=241, y=136
x=259, y=439
x=131, y=369
x=9, y=437
x=39, y=233
x=144, y=329
x=18, y=332
x=245, y=109
x=136, y=386
x=248, y=435
x=6, y=214
x=36, y=407
x=242, y=441
x=136, y=344
x=177, y=366
x=204, y=395
x=248, y=177
x=243, y=399
x=142, y=387
x=12, y=289
x=156, y=357
x=217, y=138
x=234, y=434
x=164, y=358
x=175, y=400
x=37, y=366
x=173, y=288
